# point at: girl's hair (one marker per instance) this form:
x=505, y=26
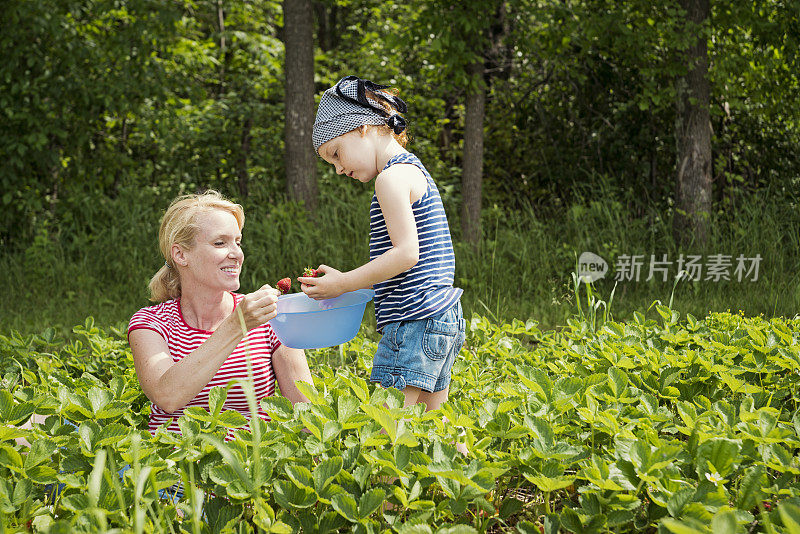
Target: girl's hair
x=402, y=137
x=179, y=226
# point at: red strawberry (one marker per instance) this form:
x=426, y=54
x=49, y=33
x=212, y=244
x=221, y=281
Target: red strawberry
x=284, y=285
x=313, y=273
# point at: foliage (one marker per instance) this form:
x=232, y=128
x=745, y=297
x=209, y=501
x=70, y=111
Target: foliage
x=98, y=96
x=684, y=424
x=100, y=262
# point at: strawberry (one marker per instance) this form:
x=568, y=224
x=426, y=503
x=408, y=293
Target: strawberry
x=284, y=285
x=313, y=273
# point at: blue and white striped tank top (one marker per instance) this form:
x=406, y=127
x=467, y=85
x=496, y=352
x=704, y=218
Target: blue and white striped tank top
x=427, y=288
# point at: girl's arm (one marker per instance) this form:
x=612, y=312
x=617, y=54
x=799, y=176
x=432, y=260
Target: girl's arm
x=395, y=189
x=171, y=385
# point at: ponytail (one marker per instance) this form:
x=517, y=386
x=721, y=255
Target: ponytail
x=165, y=285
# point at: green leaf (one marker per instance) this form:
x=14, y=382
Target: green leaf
x=198, y=413
x=684, y=527
x=790, y=515
x=738, y=385
x=331, y=430
x=232, y=460
x=617, y=380
x=112, y=433
x=12, y=413
x=326, y=472
x=42, y=474
x=569, y=518
x=346, y=506
x=382, y=416
x=22, y=492
x=750, y=492
x=370, y=501
x=300, y=475
x=278, y=408
x=536, y=380
x=679, y=500
x=221, y=513
x=113, y=410
x=457, y=529
x=722, y=453
x=75, y=502
x=550, y=478
x=41, y=451
x=409, y=528
x=526, y=527
x=223, y=474
x=9, y=457
x=216, y=399
x=232, y=419
x=724, y=522
x=359, y=387
x=510, y=507
x=8, y=433
x=98, y=398
x=311, y=393
x=290, y=496
x=402, y=455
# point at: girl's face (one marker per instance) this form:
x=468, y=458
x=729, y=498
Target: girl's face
x=352, y=154
x=216, y=259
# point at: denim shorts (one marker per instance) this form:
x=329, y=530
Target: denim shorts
x=419, y=353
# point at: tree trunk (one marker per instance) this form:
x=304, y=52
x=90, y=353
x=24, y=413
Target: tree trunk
x=301, y=178
x=693, y=136
x=472, y=177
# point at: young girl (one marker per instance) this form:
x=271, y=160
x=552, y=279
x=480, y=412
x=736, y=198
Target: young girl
x=359, y=130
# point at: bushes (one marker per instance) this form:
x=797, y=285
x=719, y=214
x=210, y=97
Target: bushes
x=99, y=263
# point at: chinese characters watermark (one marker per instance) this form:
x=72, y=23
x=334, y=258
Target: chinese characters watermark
x=633, y=268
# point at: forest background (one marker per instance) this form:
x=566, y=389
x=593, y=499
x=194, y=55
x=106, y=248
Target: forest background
x=553, y=127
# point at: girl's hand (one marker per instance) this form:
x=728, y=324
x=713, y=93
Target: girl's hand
x=331, y=285
x=259, y=306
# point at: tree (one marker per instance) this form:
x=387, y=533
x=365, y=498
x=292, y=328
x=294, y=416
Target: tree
x=472, y=177
x=301, y=180
x=461, y=38
x=693, y=133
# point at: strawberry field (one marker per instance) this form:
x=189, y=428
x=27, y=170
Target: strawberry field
x=661, y=424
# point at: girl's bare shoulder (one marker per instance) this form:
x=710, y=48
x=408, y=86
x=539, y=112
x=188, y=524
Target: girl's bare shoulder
x=402, y=178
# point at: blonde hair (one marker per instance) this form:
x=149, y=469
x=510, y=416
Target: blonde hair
x=179, y=226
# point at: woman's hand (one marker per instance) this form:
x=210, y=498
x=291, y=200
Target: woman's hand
x=259, y=306
x=331, y=285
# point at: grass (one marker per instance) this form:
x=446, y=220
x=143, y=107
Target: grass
x=98, y=261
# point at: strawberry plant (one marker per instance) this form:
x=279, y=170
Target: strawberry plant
x=660, y=424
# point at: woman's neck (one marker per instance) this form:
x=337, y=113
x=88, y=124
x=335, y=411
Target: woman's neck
x=205, y=310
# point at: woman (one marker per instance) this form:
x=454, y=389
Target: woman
x=201, y=333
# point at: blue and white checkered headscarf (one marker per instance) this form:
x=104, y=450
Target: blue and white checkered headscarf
x=345, y=107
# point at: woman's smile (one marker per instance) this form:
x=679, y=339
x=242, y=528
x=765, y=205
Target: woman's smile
x=231, y=270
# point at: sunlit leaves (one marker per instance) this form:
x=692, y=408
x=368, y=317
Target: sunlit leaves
x=582, y=420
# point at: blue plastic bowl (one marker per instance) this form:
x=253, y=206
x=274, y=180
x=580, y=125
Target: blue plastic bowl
x=305, y=323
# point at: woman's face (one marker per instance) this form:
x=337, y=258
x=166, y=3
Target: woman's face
x=216, y=259
x=352, y=154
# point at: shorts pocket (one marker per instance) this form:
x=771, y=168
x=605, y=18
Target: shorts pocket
x=438, y=339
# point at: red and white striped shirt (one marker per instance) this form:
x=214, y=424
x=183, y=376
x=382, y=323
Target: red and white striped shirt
x=167, y=320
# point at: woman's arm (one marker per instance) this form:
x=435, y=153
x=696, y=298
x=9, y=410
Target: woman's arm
x=291, y=365
x=171, y=385
x=393, y=188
